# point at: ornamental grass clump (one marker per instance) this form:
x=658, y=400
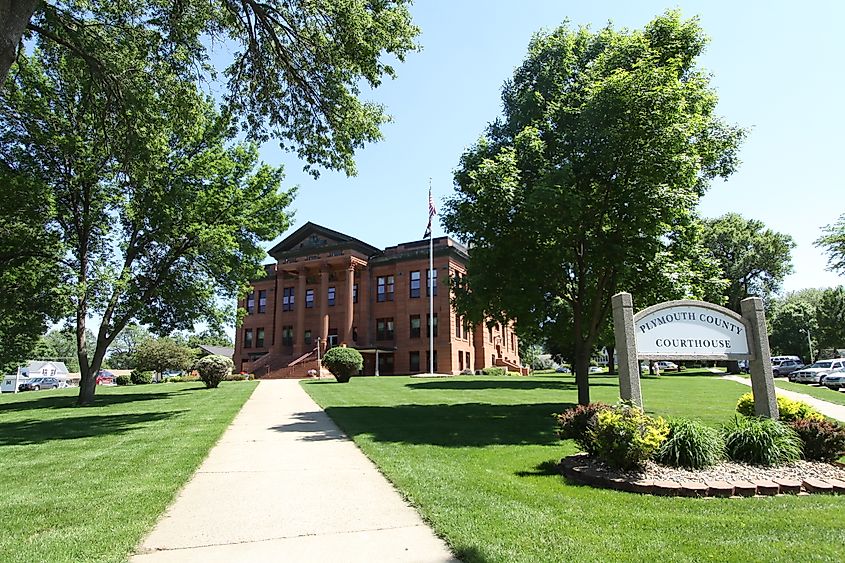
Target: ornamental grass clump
x=577, y=424
x=761, y=441
x=789, y=409
x=625, y=437
x=691, y=444
x=823, y=440
x=343, y=362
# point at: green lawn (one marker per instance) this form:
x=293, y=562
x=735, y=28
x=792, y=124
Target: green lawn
x=475, y=454
x=85, y=484
x=822, y=393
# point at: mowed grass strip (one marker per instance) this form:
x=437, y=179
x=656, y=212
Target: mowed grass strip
x=86, y=484
x=822, y=393
x=476, y=456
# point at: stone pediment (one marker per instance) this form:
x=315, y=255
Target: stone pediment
x=311, y=238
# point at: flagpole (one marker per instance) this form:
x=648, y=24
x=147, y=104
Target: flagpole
x=430, y=289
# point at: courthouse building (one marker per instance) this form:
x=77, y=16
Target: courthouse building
x=329, y=289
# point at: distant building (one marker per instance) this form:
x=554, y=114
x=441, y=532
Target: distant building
x=45, y=369
x=329, y=286
x=226, y=351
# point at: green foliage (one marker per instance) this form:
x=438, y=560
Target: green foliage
x=789, y=409
x=790, y=318
x=761, y=441
x=691, y=444
x=578, y=424
x=494, y=371
x=237, y=377
x=60, y=344
x=830, y=318
x=823, y=440
x=123, y=380
x=753, y=259
x=616, y=131
x=214, y=369
x=139, y=377
x=162, y=354
x=833, y=243
x=343, y=362
x=625, y=437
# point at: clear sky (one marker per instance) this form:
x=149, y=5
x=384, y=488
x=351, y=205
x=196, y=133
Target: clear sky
x=777, y=67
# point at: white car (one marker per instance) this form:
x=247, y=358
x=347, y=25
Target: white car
x=817, y=372
x=666, y=366
x=835, y=380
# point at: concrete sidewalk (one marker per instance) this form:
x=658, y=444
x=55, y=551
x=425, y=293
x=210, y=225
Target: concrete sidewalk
x=285, y=484
x=825, y=407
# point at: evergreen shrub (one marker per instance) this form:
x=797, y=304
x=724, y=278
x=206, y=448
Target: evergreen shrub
x=823, y=440
x=626, y=437
x=343, y=362
x=123, y=380
x=577, y=424
x=761, y=441
x=691, y=444
x=494, y=371
x=789, y=410
x=141, y=377
x=214, y=369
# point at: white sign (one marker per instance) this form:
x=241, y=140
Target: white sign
x=689, y=330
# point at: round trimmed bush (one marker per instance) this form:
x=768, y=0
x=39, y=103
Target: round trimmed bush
x=823, y=440
x=577, y=424
x=214, y=369
x=343, y=362
x=761, y=441
x=626, y=437
x=123, y=380
x=691, y=444
x=141, y=377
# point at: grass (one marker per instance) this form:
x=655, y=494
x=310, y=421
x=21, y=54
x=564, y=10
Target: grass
x=822, y=393
x=476, y=455
x=85, y=484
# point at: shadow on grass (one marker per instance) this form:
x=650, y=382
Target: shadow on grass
x=100, y=400
x=456, y=425
x=544, y=469
x=26, y=432
x=523, y=384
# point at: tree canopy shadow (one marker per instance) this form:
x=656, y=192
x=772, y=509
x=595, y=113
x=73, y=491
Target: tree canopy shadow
x=313, y=426
x=544, y=469
x=49, y=401
x=455, y=425
x=30, y=431
x=519, y=384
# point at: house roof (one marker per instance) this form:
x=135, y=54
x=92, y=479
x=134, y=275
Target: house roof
x=218, y=350
x=311, y=236
x=37, y=365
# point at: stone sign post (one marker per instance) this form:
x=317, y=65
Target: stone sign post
x=693, y=330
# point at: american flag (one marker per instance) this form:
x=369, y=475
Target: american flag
x=432, y=211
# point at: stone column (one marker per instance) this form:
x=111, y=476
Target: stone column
x=626, y=348
x=762, y=381
x=350, y=282
x=324, y=307
x=299, y=301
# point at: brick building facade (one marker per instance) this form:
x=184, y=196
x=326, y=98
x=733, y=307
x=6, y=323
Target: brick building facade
x=330, y=288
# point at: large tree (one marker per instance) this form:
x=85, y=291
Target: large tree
x=156, y=217
x=754, y=259
x=607, y=142
x=833, y=243
x=793, y=324
x=830, y=317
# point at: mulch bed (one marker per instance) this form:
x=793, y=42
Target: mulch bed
x=727, y=479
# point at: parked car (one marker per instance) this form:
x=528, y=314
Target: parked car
x=563, y=369
x=835, y=380
x=38, y=383
x=666, y=366
x=785, y=367
x=782, y=358
x=105, y=378
x=595, y=369
x=817, y=372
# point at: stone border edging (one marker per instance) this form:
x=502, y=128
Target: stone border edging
x=573, y=468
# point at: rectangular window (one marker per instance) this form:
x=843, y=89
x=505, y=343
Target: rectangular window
x=431, y=289
x=416, y=324
x=309, y=298
x=355, y=293
x=287, y=335
x=384, y=329
x=262, y=301
x=490, y=332
x=250, y=303
x=428, y=325
x=384, y=291
x=287, y=299
x=513, y=342
x=308, y=337
x=457, y=326
x=416, y=283
x=248, y=338
x=414, y=362
x=259, y=338
x=460, y=360
x=331, y=296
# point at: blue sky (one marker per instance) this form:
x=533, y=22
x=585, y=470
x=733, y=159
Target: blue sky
x=777, y=67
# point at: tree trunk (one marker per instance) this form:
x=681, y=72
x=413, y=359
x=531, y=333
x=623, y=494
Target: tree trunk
x=611, y=360
x=582, y=371
x=651, y=367
x=733, y=366
x=14, y=16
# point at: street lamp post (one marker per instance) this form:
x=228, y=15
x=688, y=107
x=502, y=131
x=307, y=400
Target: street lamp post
x=809, y=342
